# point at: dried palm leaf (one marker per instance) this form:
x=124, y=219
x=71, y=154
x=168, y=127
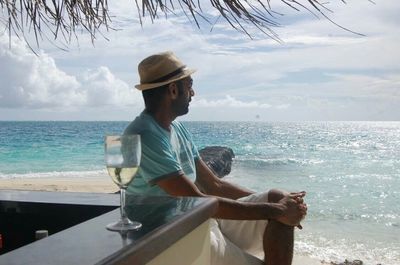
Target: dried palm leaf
x=63, y=18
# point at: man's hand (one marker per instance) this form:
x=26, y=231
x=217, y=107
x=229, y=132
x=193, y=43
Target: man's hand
x=293, y=209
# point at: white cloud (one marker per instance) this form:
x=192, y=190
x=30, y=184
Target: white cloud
x=229, y=101
x=384, y=88
x=101, y=87
x=34, y=82
x=318, y=70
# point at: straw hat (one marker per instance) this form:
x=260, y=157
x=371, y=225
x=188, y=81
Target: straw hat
x=161, y=69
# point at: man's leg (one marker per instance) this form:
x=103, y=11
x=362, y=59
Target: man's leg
x=278, y=238
x=278, y=243
x=225, y=252
x=257, y=237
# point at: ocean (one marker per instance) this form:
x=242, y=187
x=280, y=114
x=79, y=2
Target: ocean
x=350, y=170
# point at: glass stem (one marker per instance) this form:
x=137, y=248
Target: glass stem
x=122, y=197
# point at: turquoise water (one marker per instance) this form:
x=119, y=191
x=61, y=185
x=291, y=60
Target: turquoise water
x=351, y=171
x=34, y=148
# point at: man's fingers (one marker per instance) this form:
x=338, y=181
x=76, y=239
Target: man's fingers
x=297, y=194
x=303, y=193
x=303, y=208
x=299, y=199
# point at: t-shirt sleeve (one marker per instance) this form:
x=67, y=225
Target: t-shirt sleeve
x=158, y=160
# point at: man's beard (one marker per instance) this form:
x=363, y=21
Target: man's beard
x=181, y=106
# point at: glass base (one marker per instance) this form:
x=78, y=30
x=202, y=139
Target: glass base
x=124, y=225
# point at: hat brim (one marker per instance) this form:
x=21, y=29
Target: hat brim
x=185, y=73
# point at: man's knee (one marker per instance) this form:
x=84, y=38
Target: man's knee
x=275, y=195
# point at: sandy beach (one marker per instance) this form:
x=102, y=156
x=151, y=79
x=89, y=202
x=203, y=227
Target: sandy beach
x=60, y=184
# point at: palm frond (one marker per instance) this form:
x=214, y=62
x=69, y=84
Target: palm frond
x=63, y=18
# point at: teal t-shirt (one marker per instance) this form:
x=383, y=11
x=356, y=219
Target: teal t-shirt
x=164, y=154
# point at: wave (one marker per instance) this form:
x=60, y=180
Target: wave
x=57, y=174
x=277, y=161
x=338, y=250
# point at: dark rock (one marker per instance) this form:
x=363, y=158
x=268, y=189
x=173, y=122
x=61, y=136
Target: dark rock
x=218, y=159
x=347, y=262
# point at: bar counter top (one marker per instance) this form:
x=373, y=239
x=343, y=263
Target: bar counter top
x=165, y=220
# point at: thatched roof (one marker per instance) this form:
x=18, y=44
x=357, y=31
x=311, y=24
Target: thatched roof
x=64, y=17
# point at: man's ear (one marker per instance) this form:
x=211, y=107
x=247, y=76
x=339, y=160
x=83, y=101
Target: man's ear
x=173, y=90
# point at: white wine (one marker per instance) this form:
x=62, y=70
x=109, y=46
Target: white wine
x=122, y=176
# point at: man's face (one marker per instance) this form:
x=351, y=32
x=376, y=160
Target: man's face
x=185, y=94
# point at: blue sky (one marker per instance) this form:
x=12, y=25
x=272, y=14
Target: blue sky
x=318, y=72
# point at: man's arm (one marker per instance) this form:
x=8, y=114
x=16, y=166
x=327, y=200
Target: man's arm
x=210, y=184
x=286, y=211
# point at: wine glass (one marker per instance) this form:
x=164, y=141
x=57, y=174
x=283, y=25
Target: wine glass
x=122, y=157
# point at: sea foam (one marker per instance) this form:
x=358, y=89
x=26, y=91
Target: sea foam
x=57, y=174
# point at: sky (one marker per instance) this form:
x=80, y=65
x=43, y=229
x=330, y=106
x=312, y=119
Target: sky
x=318, y=72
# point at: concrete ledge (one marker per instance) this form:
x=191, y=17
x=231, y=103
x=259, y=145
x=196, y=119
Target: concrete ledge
x=165, y=221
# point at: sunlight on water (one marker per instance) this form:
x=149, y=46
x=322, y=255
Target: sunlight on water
x=350, y=170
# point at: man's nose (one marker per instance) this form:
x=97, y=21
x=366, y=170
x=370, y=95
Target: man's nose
x=191, y=92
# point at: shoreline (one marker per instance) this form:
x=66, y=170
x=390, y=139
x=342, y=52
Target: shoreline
x=95, y=184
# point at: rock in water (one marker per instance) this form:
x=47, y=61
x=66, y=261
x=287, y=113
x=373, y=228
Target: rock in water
x=347, y=262
x=218, y=159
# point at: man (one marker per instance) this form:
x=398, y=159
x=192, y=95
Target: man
x=246, y=222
